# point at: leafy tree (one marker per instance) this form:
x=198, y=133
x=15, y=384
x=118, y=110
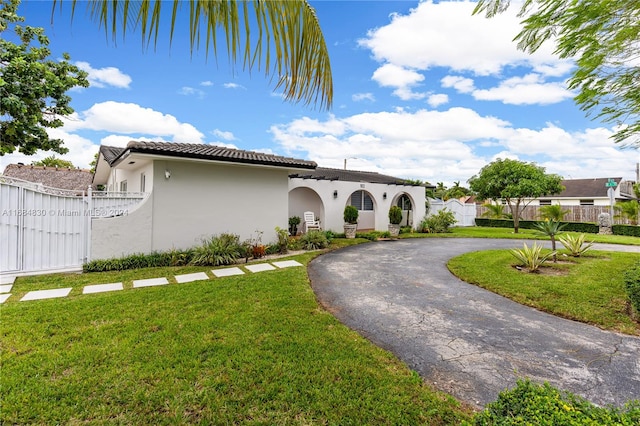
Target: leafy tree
x=627, y=210
x=514, y=181
x=604, y=39
x=32, y=88
x=53, y=161
x=553, y=212
x=284, y=36
x=455, y=192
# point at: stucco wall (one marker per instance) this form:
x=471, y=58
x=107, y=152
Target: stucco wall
x=133, y=178
x=123, y=235
x=201, y=199
x=331, y=214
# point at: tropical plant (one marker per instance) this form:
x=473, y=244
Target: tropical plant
x=314, y=240
x=283, y=39
x=224, y=249
x=395, y=215
x=283, y=240
x=550, y=228
x=553, y=212
x=575, y=244
x=53, y=161
x=494, y=211
x=439, y=222
x=33, y=89
x=350, y=215
x=514, y=181
x=627, y=210
x=531, y=258
x=294, y=221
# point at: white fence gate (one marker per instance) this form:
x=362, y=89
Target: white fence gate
x=47, y=229
x=465, y=214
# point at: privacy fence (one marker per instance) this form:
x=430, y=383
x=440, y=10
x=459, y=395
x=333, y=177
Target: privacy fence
x=585, y=214
x=46, y=229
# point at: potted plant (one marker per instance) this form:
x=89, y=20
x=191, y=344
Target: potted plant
x=294, y=221
x=350, y=221
x=395, y=217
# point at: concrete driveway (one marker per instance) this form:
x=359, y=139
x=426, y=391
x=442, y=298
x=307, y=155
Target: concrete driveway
x=464, y=340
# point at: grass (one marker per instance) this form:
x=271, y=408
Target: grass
x=589, y=289
x=524, y=234
x=252, y=349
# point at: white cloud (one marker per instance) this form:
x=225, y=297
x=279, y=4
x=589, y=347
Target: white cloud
x=461, y=84
x=436, y=100
x=206, y=83
x=108, y=76
x=233, y=86
x=400, y=78
x=190, y=91
x=529, y=89
x=363, y=96
x=227, y=136
x=446, y=34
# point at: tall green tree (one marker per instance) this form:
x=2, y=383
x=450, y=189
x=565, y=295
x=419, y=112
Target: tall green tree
x=32, y=88
x=515, y=182
x=604, y=39
x=280, y=37
x=53, y=161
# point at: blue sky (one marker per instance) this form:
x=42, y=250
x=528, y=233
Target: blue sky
x=422, y=90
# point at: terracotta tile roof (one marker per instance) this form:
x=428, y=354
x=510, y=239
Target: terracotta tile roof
x=205, y=152
x=585, y=188
x=60, y=178
x=321, y=173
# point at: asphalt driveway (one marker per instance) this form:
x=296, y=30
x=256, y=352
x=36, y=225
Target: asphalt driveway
x=464, y=340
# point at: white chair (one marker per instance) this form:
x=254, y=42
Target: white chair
x=310, y=222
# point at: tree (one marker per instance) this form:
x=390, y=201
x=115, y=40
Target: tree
x=455, y=192
x=514, y=181
x=494, y=211
x=553, y=212
x=284, y=35
x=53, y=161
x=604, y=39
x=32, y=88
x=627, y=210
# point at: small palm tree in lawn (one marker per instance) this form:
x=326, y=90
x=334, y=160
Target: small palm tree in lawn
x=551, y=228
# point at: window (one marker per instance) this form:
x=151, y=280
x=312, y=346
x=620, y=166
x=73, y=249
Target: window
x=586, y=202
x=361, y=200
x=404, y=202
x=143, y=182
x=545, y=202
x=123, y=186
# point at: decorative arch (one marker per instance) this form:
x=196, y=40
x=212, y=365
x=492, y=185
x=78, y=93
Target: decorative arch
x=406, y=203
x=304, y=199
x=364, y=201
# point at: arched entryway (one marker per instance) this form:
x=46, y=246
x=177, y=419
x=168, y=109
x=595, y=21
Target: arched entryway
x=302, y=200
x=404, y=201
x=365, y=204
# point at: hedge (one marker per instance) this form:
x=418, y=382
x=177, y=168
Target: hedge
x=630, y=230
x=588, y=228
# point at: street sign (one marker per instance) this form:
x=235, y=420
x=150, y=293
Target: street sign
x=611, y=184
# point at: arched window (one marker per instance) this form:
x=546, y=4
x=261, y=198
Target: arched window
x=361, y=200
x=404, y=202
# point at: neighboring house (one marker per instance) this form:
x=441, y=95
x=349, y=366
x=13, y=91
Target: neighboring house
x=60, y=178
x=588, y=192
x=326, y=192
x=196, y=191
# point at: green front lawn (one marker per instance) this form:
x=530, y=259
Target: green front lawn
x=251, y=349
x=589, y=289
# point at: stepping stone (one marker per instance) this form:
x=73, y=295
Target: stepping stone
x=100, y=288
x=4, y=297
x=227, y=272
x=7, y=279
x=150, y=282
x=5, y=288
x=187, y=278
x=287, y=263
x=260, y=267
x=46, y=294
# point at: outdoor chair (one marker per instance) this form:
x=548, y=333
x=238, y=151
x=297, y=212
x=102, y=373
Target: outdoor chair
x=310, y=222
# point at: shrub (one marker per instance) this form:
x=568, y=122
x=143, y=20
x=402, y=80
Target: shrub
x=283, y=240
x=395, y=215
x=629, y=230
x=373, y=235
x=224, y=249
x=531, y=258
x=575, y=244
x=350, y=214
x=406, y=230
x=439, y=222
x=314, y=240
x=140, y=260
x=532, y=404
x=632, y=285
x=589, y=228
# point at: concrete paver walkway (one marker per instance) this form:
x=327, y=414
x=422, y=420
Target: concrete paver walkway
x=465, y=340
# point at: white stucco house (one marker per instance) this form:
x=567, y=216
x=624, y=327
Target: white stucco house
x=326, y=192
x=194, y=191
x=588, y=192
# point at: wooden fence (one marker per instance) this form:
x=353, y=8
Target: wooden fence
x=588, y=214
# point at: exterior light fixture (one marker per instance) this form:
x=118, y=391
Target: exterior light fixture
x=335, y=193
x=167, y=174
x=384, y=195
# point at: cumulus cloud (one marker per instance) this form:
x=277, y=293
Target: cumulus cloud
x=206, y=83
x=227, y=136
x=363, y=96
x=438, y=99
x=190, y=91
x=103, y=77
x=233, y=86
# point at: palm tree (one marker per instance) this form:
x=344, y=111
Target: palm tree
x=494, y=211
x=283, y=38
x=627, y=210
x=553, y=212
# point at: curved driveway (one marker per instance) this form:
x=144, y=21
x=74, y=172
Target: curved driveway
x=464, y=340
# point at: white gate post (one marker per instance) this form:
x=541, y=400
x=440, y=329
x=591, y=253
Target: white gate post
x=89, y=214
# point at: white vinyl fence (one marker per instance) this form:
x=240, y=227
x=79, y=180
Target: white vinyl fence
x=47, y=229
x=465, y=214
